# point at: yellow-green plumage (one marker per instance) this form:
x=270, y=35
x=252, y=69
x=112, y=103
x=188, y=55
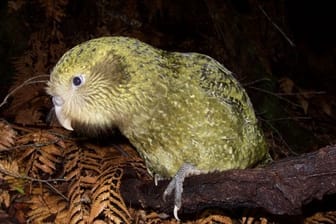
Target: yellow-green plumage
x=175, y=108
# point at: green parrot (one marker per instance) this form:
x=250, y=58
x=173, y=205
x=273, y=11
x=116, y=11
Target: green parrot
x=185, y=113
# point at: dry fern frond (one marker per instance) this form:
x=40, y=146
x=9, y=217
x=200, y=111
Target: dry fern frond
x=47, y=207
x=141, y=217
x=5, y=198
x=220, y=219
x=81, y=161
x=93, y=175
x=45, y=48
x=9, y=172
x=81, y=169
x=106, y=197
x=31, y=116
x=107, y=202
x=31, y=64
x=7, y=135
x=322, y=217
x=54, y=9
x=42, y=154
x=28, y=102
x=15, y=5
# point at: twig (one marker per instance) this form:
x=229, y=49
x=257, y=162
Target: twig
x=276, y=26
x=302, y=93
x=246, y=84
x=30, y=145
x=25, y=83
x=34, y=129
x=47, y=182
x=276, y=95
x=279, y=135
x=290, y=118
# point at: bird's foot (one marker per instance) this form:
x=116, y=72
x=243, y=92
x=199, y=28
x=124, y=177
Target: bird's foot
x=177, y=184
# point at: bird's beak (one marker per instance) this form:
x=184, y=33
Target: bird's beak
x=63, y=120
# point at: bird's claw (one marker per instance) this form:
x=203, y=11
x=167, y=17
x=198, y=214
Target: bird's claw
x=175, y=212
x=177, y=184
x=174, y=185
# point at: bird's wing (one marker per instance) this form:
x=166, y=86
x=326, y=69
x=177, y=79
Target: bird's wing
x=217, y=81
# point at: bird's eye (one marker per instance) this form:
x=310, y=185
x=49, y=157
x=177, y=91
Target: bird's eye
x=77, y=80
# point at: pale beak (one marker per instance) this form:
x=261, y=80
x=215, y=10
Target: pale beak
x=63, y=120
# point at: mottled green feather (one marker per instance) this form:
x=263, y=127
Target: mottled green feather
x=175, y=108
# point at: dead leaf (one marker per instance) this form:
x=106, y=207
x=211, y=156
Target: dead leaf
x=286, y=85
x=7, y=135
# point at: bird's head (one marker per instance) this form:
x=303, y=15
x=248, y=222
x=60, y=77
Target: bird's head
x=87, y=86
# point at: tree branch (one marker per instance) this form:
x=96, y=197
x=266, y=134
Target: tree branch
x=283, y=187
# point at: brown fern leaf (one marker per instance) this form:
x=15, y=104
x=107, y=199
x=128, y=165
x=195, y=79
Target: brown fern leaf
x=10, y=174
x=28, y=102
x=81, y=161
x=141, y=216
x=107, y=202
x=15, y=5
x=57, y=48
x=81, y=169
x=7, y=135
x=11, y=183
x=47, y=207
x=42, y=153
x=26, y=68
x=106, y=197
x=31, y=116
x=328, y=217
x=54, y=9
x=115, y=154
x=5, y=198
x=220, y=219
x=139, y=166
x=45, y=48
